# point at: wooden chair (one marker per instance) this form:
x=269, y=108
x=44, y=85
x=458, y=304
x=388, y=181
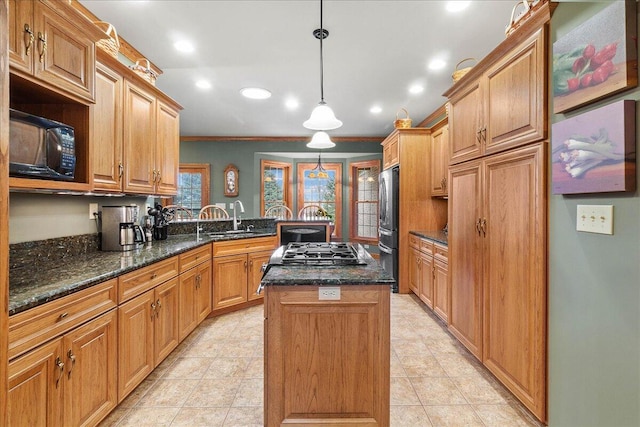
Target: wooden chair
x=213, y=212
x=313, y=213
x=279, y=212
x=178, y=213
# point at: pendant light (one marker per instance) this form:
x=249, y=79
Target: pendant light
x=322, y=117
x=321, y=141
x=318, y=171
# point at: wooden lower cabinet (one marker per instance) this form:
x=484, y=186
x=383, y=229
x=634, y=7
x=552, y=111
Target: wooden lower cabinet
x=68, y=381
x=229, y=280
x=147, y=333
x=195, y=297
x=327, y=362
x=440, y=283
x=414, y=270
x=426, y=279
x=256, y=260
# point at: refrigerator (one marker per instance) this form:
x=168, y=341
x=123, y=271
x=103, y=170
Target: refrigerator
x=388, y=225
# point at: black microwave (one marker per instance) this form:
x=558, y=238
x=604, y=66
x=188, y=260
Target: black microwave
x=40, y=147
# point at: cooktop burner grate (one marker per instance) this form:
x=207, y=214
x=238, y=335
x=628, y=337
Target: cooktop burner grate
x=323, y=253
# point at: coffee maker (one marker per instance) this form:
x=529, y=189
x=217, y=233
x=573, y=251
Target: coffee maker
x=120, y=229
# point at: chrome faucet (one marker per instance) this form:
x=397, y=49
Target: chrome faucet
x=236, y=218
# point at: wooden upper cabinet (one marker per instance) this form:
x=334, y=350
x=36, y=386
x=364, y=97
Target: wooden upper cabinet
x=106, y=147
x=390, y=151
x=167, y=150
x=139, y=139
x=53, y=43
x=503, y=108
x=439, y=161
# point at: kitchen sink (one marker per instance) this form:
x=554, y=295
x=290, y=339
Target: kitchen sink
x=231, y=233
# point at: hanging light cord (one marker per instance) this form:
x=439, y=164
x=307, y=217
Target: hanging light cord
x=322, y=36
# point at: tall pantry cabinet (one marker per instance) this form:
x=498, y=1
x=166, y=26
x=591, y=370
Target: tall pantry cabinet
x=497, y=211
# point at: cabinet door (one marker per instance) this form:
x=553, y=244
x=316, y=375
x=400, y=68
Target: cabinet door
x=204, y=290
x=135, y=342
x=36, y=386
x=139, y=140
x=229, y=280
x=514, y=289
x=426, y=279
x=106, y=137
x=465, y=255
x=464, y=121
x=516, y=98
x=439, y=161
x=65, y=54
x=91, y=371
x=167, y=308
x=167, y=150
x=22, y=38
x=440, y=289
x=391, y=151
x=187, y=313
x=414, y=271
x=255, y=273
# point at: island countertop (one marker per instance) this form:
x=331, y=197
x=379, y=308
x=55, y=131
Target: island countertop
x=370, y=273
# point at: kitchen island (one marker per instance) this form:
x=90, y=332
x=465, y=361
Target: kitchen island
x=327, y=344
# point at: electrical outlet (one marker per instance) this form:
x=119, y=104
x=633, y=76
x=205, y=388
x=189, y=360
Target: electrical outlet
x=329, y=293
x=595, y=219
x=93, y=210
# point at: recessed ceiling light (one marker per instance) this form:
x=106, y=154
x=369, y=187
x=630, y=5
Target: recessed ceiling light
x=437, y=64
x=203, y=84
x=292, y=104
x=255, y=93
x=415, y=89
x=376, y=109
x=457, y=6
x=184, y=46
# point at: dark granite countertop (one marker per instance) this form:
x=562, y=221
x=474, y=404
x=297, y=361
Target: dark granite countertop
x=329, y=275
x=30, y=287
x=438, y=236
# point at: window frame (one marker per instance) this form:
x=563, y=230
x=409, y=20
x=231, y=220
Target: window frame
x=337, y=168
x=204, y=169
x=287, y=190
x=353, y=201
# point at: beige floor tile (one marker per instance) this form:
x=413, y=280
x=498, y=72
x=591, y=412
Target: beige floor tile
x=204, y=346
x=250, y=393
x=245, y=417
x=134, y=397
x=238, y=348
x=217, y=393
x=423, y=365
x=459, y=365
x=200, y=417
x=405, y=416
x=409, y=348
x=255, y=368
x=224, y=367
x=167, y=393
x=453, y=416
x=188, y=368
x=444, y=344
x=503, y=416
x=149, y=417
x=395, y=367
x=480, y=391
x=114, y=417
x=402, y=392
x=437, y=391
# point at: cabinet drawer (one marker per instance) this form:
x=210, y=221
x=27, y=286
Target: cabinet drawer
x=143, y=279
x=414, y=241
x=40, y=324
x=426, y=246
x=243, y=246
x=440, y=252
x=194, y=257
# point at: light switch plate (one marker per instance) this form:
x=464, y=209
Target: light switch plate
x=93, y=210
x=595, y=219
x=330, y=293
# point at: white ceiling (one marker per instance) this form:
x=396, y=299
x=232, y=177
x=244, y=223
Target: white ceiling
x=375, y=51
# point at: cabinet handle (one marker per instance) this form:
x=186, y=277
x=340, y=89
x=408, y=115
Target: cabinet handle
x=444, y=183
x=153, y=310
x=71, y=356
x=245, y=266
x=478, y=137
x=120, y=169
x=158, y=307
x=155, y=173
x=198, y=280
x=483, y=134
x=483, y=225
x=60, y=365
x=154, y=275
x=159, y=177
x=478, y=226
x=27, y=29
x=43, y=51
x=63, y=315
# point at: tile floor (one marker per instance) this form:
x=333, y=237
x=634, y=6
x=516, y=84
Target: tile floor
x=215, y=378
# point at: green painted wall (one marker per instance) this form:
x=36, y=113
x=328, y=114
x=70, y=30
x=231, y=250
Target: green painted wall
x=594, y=295
x=246, y=155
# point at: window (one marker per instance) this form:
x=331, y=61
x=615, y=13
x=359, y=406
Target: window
x=193, y=187
x=325, y=191
x=364, y=201
x=275, y=185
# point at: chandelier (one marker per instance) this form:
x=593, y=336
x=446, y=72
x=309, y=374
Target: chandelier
x=322, y=117
x=318, y=171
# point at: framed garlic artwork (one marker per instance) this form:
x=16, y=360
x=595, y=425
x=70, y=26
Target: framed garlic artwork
x=231, y=181
x=596, y=59
x=594, y=152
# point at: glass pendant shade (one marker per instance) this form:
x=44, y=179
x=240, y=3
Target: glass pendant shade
x=320, y=141
x=322, y=118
